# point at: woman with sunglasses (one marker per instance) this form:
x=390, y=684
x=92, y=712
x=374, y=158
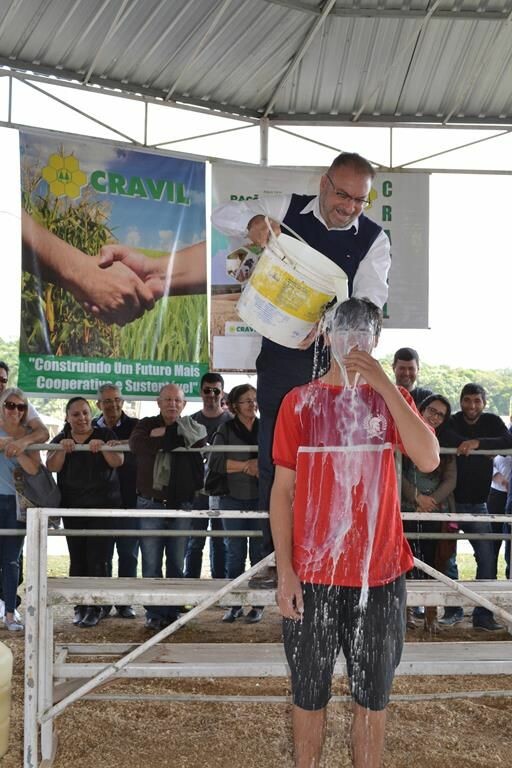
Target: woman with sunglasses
x=13, y=417
x=241, y=476
x=430, y=492
x=86, y=480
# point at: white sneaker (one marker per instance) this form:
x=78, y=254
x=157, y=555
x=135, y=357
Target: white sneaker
x=13, y=625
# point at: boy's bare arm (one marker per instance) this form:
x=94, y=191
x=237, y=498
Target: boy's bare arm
x=289, y=591
x=420, y=443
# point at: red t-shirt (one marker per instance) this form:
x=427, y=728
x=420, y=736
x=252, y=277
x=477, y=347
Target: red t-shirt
x=347, y=528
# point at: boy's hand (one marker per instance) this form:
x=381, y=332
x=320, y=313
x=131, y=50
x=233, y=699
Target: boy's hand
x=289, y=595
x=368, y=367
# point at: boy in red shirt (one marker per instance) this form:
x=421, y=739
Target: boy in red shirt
x=340, y=550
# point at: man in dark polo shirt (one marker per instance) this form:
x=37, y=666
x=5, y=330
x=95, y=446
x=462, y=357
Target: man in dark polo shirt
x=110, y=403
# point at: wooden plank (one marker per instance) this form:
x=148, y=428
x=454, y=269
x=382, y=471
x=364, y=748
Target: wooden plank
x=193, y=591
x=268, y=660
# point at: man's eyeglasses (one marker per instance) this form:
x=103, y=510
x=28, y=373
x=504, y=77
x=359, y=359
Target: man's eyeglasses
x=10, y=406
x=212, y=391
x=434, y=413
x=362, y=202
x=112, y=401
x=3, y=380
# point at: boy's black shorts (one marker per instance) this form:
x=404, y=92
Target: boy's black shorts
x=371, y=639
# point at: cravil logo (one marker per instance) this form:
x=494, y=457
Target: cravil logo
x=64, y=176
x=372, y=197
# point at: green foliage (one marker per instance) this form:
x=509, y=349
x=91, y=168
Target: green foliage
x=448, y=381
x=176, y=329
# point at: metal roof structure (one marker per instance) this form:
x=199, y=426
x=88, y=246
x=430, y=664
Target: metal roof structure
x=428, y=63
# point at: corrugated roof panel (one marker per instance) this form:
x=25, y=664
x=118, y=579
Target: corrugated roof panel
x=366, y=56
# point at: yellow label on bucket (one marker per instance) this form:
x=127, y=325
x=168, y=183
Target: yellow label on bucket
x=290, y=294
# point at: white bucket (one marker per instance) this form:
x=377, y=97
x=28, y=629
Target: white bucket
x=5, y=696
x=289, y=289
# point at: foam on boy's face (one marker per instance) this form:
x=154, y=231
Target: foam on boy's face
x=343, y=341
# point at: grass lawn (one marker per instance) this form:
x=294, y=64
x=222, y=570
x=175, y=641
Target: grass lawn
x=58, y=566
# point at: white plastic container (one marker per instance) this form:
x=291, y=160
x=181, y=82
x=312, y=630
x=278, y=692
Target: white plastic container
x=289, y=289
x=5, y=696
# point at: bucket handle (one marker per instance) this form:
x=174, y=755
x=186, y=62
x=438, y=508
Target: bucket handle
x=275, y=242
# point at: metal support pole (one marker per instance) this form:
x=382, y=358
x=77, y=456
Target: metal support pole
x=30, y=737
x=264, y=124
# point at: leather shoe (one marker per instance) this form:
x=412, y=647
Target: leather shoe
x=232, y=614
x=125, y=612
x=154, y=624
x=254, y=615
x=78, y=614
x=92, y=616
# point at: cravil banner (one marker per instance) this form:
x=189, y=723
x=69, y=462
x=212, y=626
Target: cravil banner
x=399, y=203
x=113, y=269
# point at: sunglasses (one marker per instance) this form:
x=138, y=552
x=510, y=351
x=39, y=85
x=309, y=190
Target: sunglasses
x=212, y=390
x=3, y=380
x=10, y=406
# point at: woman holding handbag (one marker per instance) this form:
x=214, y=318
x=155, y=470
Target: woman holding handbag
x=13, y=417
x=238, y=473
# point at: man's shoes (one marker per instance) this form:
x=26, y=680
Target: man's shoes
x=452, y=616
x=155, y=625
x=125, y=612
x=254, y=615
x=234, y=613
x=265, y=579
x=92, y=616
x=487, y=623
x=78, y=614
x=105, y=611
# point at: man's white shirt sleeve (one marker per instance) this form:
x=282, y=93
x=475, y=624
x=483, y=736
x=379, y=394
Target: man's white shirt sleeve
x=370, y=280
x=232, y=218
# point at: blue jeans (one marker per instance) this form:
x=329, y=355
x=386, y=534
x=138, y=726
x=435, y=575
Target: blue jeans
x=483, y=550
x=10, y=550
x=236, y=546
x=127, y=547
x=196, y=544
x=154, y=548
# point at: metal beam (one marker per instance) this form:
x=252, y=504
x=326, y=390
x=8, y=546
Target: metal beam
x=393, y=13
x=300, y=53
x=116, y=21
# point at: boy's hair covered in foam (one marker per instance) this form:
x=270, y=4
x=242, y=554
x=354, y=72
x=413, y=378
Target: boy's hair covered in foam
x=354, y=314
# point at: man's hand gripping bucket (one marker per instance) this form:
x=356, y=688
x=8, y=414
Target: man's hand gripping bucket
x=289, y=289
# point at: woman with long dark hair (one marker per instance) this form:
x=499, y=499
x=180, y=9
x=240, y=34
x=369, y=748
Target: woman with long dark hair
x=87, y=479
x=241, y=478
x=430, y=492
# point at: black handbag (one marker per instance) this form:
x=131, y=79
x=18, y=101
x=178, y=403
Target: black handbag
x=216, y=483
x=39, y=490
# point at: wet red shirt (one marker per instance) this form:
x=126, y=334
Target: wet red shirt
x=347, y=528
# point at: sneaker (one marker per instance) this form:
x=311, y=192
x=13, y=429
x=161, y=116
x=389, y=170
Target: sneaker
x=265, y=579
x=452, y=616
x=234, y=613
x=13, y=625
x=487, y=623
x=254, y=615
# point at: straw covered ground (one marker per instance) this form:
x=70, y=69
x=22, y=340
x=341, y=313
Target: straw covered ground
x=458, y=733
